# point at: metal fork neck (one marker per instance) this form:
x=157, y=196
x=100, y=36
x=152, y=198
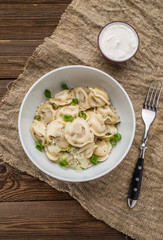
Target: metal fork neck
x=143, y=146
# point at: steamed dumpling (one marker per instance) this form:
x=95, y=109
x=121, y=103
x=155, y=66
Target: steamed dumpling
x=77, y=133
x=102, y=150
x=84, y=162
x=62, y=98
x=110, y=131
x=97, y=97
x=108, y=114
x=51, y=153
x=87, y=150
x=82, y=97
x=96, y=124
x=46, y=112
x=101, y=93
x=67, y=110
x=74, y=164
x=55, y=134
x=38, y=131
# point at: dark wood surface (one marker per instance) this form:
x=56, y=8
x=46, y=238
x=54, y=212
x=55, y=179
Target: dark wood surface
x=29, y=208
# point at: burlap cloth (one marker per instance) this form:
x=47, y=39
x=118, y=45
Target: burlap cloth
x=75, y=42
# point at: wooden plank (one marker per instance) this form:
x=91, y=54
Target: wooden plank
x=18, y=47
x=3, y=86
x=13, y=56
x=18, y=186
x=11, y=66
x=31, y=12
x=35, y=1
x=51, y=220
x=29, y=21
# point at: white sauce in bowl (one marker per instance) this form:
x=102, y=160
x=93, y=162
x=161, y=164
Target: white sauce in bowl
x=118, y=41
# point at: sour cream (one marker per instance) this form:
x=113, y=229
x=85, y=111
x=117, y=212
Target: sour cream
x=118, y=41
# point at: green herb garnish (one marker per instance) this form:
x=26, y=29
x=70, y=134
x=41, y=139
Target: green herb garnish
x=39, y=146
x=94, y=159
x=37, y=117
x=82, y=115
x=69, y=149
x=64, y=86
x=75, y=101
x=68, y=118
x=117, y=136
x=47, y=93
x=113, y=141
x=63, y=163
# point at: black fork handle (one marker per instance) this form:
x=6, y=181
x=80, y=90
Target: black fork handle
x=135, y=185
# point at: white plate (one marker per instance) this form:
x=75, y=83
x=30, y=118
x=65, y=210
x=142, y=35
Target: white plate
x=75, y=76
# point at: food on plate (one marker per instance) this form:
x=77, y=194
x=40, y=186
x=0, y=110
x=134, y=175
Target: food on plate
x=77, y=127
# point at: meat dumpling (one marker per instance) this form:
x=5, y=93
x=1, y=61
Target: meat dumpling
x=62, y=98
x=66, y=110
x=97, y=97
x=87, y=150
x=108, y=114
x=96, y=124
x=77, y=133
x=82, y=97
x=102, y=150
x=110, y=131
x=46, y=112
x=51, y=153
x=55, y=134
x=38, y=131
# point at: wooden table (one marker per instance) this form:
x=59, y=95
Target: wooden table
x=29, y=208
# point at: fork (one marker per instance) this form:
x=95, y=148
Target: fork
x=149, y=111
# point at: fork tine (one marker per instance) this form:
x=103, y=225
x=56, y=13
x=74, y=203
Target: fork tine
x=153, y=102
x=149, y=102
x=156, y=105
x=145, y=102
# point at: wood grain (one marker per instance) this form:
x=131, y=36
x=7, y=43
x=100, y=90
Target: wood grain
x=55, y=2
x=29, y=208
x=3, y=86
x=22, y=28
x=18, y=186
x=51, y=220
x=13, y=56
x=29, y=21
